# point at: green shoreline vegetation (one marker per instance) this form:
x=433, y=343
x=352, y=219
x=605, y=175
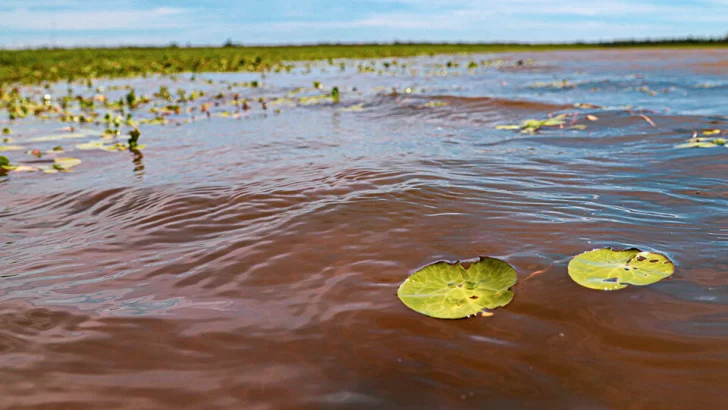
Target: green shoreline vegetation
x=44, y=65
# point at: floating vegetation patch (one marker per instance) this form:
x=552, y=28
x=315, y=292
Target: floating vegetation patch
x=558, y=85
x=532, y=126
x=10, y=148
x=58, y=165
x=607, y=269
x=58, y=137
x=702, y=142
x=446, y=290
x=353, y=108
x=433, y=104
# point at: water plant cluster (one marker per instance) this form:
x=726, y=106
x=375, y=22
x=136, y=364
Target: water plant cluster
x=52, y=65
x=708, y=139
x=457, y=290
x=114, y=116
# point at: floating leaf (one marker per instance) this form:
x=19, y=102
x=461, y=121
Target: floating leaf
x=592, y=117
x=353, y=108
x=711, y=132
x=24, y=168
x=449, y=291
x=587, y=106
x=433, y=104
x=607, y=269
x=57, y=137
x=91, y=145
x=508, y=127
x=61, y=165
x=696, y=144
x=4, y=162
x=10, y=148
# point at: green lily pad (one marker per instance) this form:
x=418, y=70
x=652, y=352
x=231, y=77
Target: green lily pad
x=10, y=148
x=433, y=104
x=607, y=269
x=57, y=137
x=5, y=163
x=60, y=165
x=696, y=145
x=353, y=108
x=508, y=127
x=449, y=291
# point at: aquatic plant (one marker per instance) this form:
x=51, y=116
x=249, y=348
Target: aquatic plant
x=134, y=138
x=700, y=142
x=608, y=269
x=446, y=290
x=531, y=126
x=5, y=163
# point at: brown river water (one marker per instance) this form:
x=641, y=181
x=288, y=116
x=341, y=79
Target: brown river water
x=251, y=261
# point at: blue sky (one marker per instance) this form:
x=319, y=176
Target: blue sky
x=113, y=22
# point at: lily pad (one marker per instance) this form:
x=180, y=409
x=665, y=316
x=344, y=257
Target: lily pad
x=697, y=144
x=60, y=165
x=10, y=148
x=57, y=137
x=449, y=291
x=5, y=163
x=607, y=269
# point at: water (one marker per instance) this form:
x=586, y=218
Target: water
x=253, y=262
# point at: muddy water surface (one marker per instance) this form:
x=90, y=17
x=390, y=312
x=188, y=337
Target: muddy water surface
x=252, y=260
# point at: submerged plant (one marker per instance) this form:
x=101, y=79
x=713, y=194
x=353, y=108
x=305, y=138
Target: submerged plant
x=607, y=269
x=450, y=291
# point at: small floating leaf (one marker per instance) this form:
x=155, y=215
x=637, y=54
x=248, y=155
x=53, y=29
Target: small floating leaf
x=695, y=144
x=61, y=165
x=592, y=117
x=10, y=148
x=91, y=145
x=607, y=269
x=353, y=108
x=508, y=127
x=449, y=291
x=24, y=168
x=57, y=137
x=4, y=162
x=711, y=132
x=433, y=104
x=551, y=122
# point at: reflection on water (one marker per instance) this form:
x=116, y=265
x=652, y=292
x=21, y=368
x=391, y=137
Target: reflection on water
x=253, y=262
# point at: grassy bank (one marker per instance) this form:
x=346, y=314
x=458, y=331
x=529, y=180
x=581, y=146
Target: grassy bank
x=50, y=65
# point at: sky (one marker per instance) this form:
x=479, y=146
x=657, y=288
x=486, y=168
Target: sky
x=32, y=23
